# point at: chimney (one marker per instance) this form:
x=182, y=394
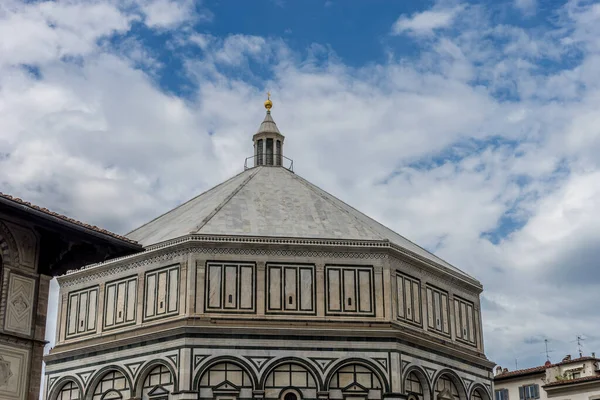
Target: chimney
x=593, y=355
x=567, y=358
x=505, y=370
x=547, y=364
x=498, y=370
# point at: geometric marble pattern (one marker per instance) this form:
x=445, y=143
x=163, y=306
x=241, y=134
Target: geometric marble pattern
x=322, y=363
x=383, y=362
x=258, y=362
x=19, y=305
x=430, y=372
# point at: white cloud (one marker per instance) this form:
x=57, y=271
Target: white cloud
x=528, y=7
x=425, y=145
x=426, y=22
x=171, y=13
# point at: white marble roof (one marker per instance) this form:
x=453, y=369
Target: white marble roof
x=271, y=202
x=268, y=125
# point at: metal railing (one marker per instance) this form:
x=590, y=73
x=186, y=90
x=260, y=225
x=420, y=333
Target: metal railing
x=270, y=160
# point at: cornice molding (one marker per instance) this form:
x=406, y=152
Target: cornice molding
x=379, y=249
x=117, y=266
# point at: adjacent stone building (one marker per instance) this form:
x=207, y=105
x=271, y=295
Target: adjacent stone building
x=569, y=379
x=36, y=244
x=267, y=287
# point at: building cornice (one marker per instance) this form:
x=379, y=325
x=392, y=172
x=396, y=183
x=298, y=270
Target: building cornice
x=321, y=248
x=190, y=328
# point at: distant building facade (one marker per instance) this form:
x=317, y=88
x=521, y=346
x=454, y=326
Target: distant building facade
x=36, y=244
x=570, y=379
x=267, y=287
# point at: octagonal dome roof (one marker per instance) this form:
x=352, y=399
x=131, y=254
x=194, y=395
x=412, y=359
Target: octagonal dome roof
x=272, y=202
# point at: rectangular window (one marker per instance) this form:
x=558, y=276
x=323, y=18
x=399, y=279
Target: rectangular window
x=291, y=289
x=81, y=318
x=408, y=299
x=437, y=310
x=120, y=302
x=349, y=290
x=464, y=320
x=161, y=297
x=501, y=394
x=529, y=392
x=230, y=287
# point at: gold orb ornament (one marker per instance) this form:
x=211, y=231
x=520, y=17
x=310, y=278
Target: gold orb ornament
x=268, y=103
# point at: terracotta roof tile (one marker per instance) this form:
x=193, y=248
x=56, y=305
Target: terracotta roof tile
x=518, y=372
x=65, y=218
x=572, y=381
x=541, y=368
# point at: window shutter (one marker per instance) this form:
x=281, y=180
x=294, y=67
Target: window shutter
x=504, y=394
x=521, y=392
x=536, y=388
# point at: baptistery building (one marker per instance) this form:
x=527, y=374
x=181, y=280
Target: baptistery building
x=268, y=287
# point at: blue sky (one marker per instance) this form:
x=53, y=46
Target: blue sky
x=469, y=127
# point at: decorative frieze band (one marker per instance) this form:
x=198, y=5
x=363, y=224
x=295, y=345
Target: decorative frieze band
x=84, y=276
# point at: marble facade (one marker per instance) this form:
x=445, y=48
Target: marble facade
x=266, y=287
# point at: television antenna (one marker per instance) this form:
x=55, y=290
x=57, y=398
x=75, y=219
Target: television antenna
x=548, y=351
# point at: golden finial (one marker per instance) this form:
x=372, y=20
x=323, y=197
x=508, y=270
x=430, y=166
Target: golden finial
x=268, y=103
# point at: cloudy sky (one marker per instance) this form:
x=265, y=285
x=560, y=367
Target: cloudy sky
x=470, y=127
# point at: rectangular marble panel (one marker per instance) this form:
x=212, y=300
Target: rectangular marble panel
x=150, y=295
x=82, y=312
x=131, y=300
x=444, y=312
x=161, y=297
x=349, y=290
x=92, y=313
x=416, y=292
x=430, y=310
x=274, y=288
x=173, y=294
x=231, y=284
x=109, y=309
x=400, y=296
x=457, y=320
x=365, y=291
x=463, y=320
x=120, y=309
x=306, y=289
x=437, y=307
x=214, y=288
x=20, y=304
x=334, y=292
x=408, y=299
x=16, y=372
x=246, y=287
x=471, y=323
x=73, y=306
x=290, y=288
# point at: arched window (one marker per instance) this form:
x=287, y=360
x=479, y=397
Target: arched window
x=355, y=381
x=290, y=376
x=413, y=386
x=476, y=395
x=225, y=380
x=113, y=386
x=158, y=384
x=290, y=396
x=445, y=389
x=69, y=391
